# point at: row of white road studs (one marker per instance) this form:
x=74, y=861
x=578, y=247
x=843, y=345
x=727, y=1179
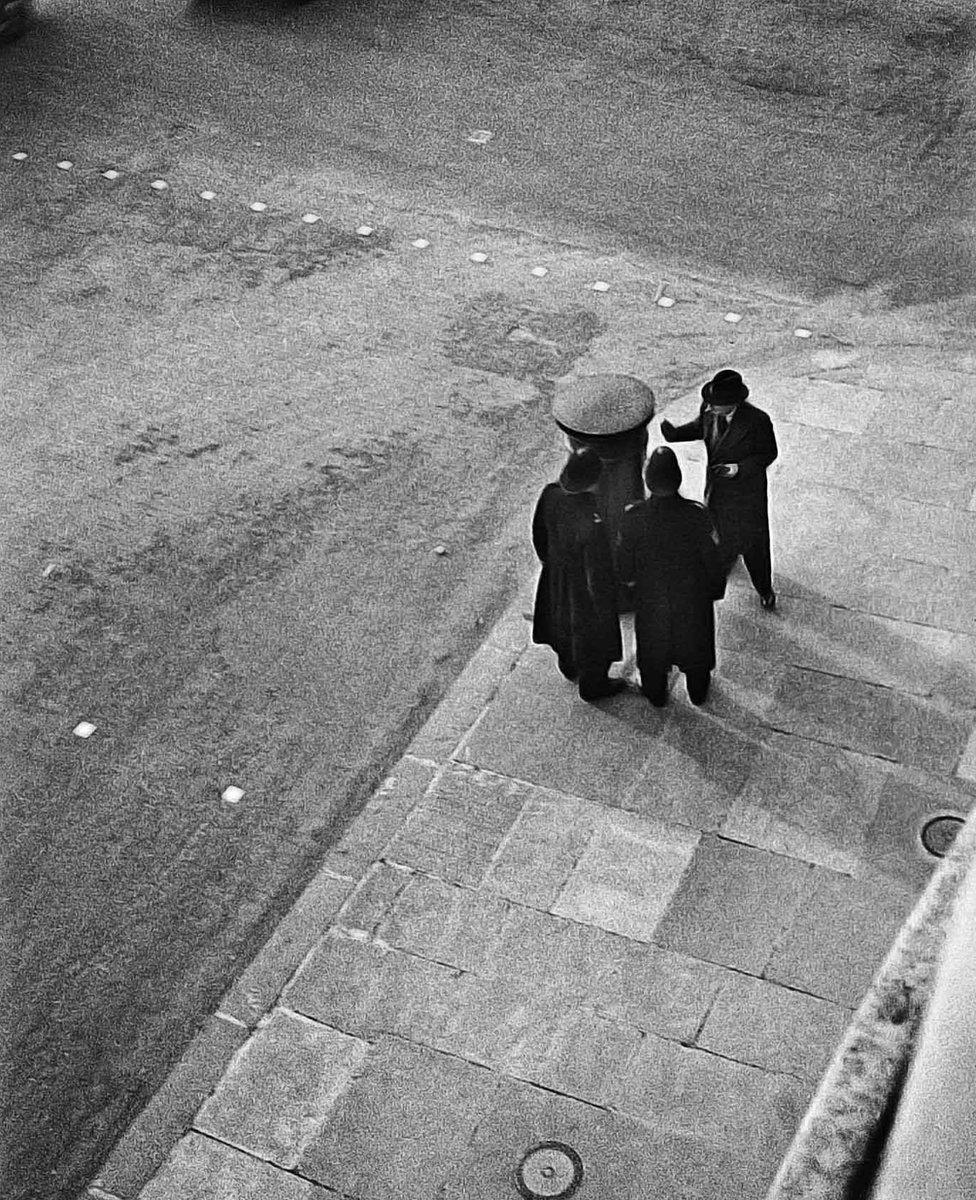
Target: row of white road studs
x=661, y=299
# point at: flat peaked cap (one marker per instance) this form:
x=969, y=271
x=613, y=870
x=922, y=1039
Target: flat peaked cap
x=602, y=404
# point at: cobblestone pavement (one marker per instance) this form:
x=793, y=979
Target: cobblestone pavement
x=637, y=932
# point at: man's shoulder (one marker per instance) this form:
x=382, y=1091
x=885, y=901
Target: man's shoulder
x=753, y=413
x=692, y=510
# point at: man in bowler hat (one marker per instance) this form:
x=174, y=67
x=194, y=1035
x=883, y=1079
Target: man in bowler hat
x=576, y=601
x=669, y=550
x=741, y=445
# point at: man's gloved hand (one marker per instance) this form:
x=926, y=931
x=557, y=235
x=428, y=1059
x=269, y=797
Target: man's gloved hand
x=725, y=470
x=667, y=429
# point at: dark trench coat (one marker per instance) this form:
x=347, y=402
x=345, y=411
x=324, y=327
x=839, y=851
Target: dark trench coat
x=668, y=550
x=739, y=505
x=576, y=601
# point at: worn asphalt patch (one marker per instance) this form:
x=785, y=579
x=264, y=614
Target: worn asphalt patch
x=501, y=333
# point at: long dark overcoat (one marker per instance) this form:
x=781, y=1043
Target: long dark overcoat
x=669, y=552
x=576, y=601
x=739, y=505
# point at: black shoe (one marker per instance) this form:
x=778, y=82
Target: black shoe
x=612, y=687
x=768, y=601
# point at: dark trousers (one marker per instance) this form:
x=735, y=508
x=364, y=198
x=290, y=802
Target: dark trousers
x=654, y=685
x=755, y=554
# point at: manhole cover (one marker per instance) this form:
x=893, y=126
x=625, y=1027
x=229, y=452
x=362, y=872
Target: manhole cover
x=939, y=834
x=550, y=1169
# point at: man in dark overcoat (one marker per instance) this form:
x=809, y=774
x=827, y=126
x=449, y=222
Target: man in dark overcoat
x=576, y=601
x=741, y=446
x=669, y=551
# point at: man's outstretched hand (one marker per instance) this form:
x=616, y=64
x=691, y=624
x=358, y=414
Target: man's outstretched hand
x=725, y=470
x=667, y=430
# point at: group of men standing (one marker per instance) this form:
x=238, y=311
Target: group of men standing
x=667, y=560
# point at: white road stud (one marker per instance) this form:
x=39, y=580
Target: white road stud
x=65, y=165
x=540, y=271
x=159, y=185
x=420, y=243
x=440, y=551
x=258, y=206
x=208, y=195
x=665, y=302
x=364, y=230
x=480, y=136
x=802, y=333
x=311, y=218
x=110, y=174
x=232, y=794
x=84, y=729
x=601, y=286
x=19, y=156
x=479, y=257
x=733, y=318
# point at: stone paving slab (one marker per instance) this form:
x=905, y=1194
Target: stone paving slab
x=810, y=801
x=680, y=1089
x=625, y=876
x=696, y=770
x=839, y=936
x=734, y=903
x=403, y=1127
x=755, y=1022
x=280, y=1087
x=460, y=825
x=203, y=1169
x=608, y=743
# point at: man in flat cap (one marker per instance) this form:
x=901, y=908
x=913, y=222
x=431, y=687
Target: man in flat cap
x=669, y=551
x=576, y=601
x=741, y=445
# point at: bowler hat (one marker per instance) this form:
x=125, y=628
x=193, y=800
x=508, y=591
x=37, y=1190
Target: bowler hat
x=662, y=473
x=581, y=471
x=725, y=388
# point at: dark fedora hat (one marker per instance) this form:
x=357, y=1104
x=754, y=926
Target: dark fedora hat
x=725, y=388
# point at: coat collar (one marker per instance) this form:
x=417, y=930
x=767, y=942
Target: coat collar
x=735, y=429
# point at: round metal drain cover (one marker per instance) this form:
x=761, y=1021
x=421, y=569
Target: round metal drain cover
x=551, y=1169
x=939, y=834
